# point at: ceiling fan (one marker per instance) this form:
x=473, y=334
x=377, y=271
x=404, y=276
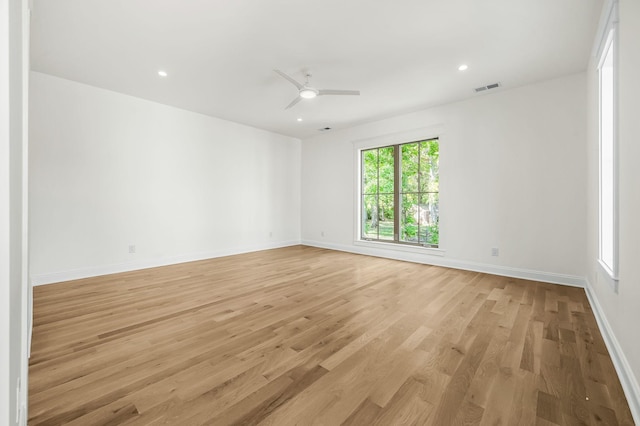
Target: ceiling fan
x=305, y=91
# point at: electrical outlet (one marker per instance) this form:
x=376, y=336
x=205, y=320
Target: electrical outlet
x=270, y=233
x=322, y=233
x=495, y=251
x=132, y=249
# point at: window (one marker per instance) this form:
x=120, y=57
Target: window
x=400, y=193
x=607, y=157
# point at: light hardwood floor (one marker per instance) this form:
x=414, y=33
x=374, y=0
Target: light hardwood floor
x=303, y=335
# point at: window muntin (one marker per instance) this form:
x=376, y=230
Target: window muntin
x=400, y=193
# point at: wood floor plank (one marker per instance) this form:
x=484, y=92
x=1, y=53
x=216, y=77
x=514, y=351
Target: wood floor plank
x=366, y=414
x=454, y=394
x=406, y=407
x=303, y=335
x=480, y=388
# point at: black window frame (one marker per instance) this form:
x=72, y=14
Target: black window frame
x=397, y=196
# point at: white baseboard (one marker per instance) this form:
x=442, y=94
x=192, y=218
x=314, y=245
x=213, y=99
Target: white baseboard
x=438, y=260
x=627, y=378
x=29, y=316
x=95, y=271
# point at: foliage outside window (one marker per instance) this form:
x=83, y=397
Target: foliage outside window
x=400, y=193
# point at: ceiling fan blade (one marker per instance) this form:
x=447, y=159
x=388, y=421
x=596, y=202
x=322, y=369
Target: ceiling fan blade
x=293, y=102
x=337, y=92
x=290, y=79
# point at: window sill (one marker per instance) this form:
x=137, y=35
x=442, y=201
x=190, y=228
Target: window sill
x=401, y=247
x=608, y=276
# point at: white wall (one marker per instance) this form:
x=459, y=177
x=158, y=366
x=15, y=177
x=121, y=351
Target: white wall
x=110, y=170
x=620, y=312
x=13, y=262
x=6, y=391
x=512, y=176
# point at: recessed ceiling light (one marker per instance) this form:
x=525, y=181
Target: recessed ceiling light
x=162, y=73
x=299, y=119
x=463, y=67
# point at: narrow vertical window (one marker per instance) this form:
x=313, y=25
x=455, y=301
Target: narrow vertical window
x=607, y=157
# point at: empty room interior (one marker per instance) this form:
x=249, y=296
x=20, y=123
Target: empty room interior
x=229, y=212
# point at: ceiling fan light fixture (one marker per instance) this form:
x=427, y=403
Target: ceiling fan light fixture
x=308, y=93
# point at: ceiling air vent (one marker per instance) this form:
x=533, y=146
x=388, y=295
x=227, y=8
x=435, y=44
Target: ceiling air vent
x=487, y=87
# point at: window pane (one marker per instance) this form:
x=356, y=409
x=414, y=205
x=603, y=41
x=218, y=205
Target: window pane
x=370, y=171
x=370, y=216
x=429, y=219
x=386, y=174
x=429, y=162
x=606, y=159
x=385, y=217
x=410, y=155
x=409, y=218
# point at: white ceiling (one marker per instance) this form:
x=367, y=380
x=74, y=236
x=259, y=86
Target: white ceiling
x=220, y=54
